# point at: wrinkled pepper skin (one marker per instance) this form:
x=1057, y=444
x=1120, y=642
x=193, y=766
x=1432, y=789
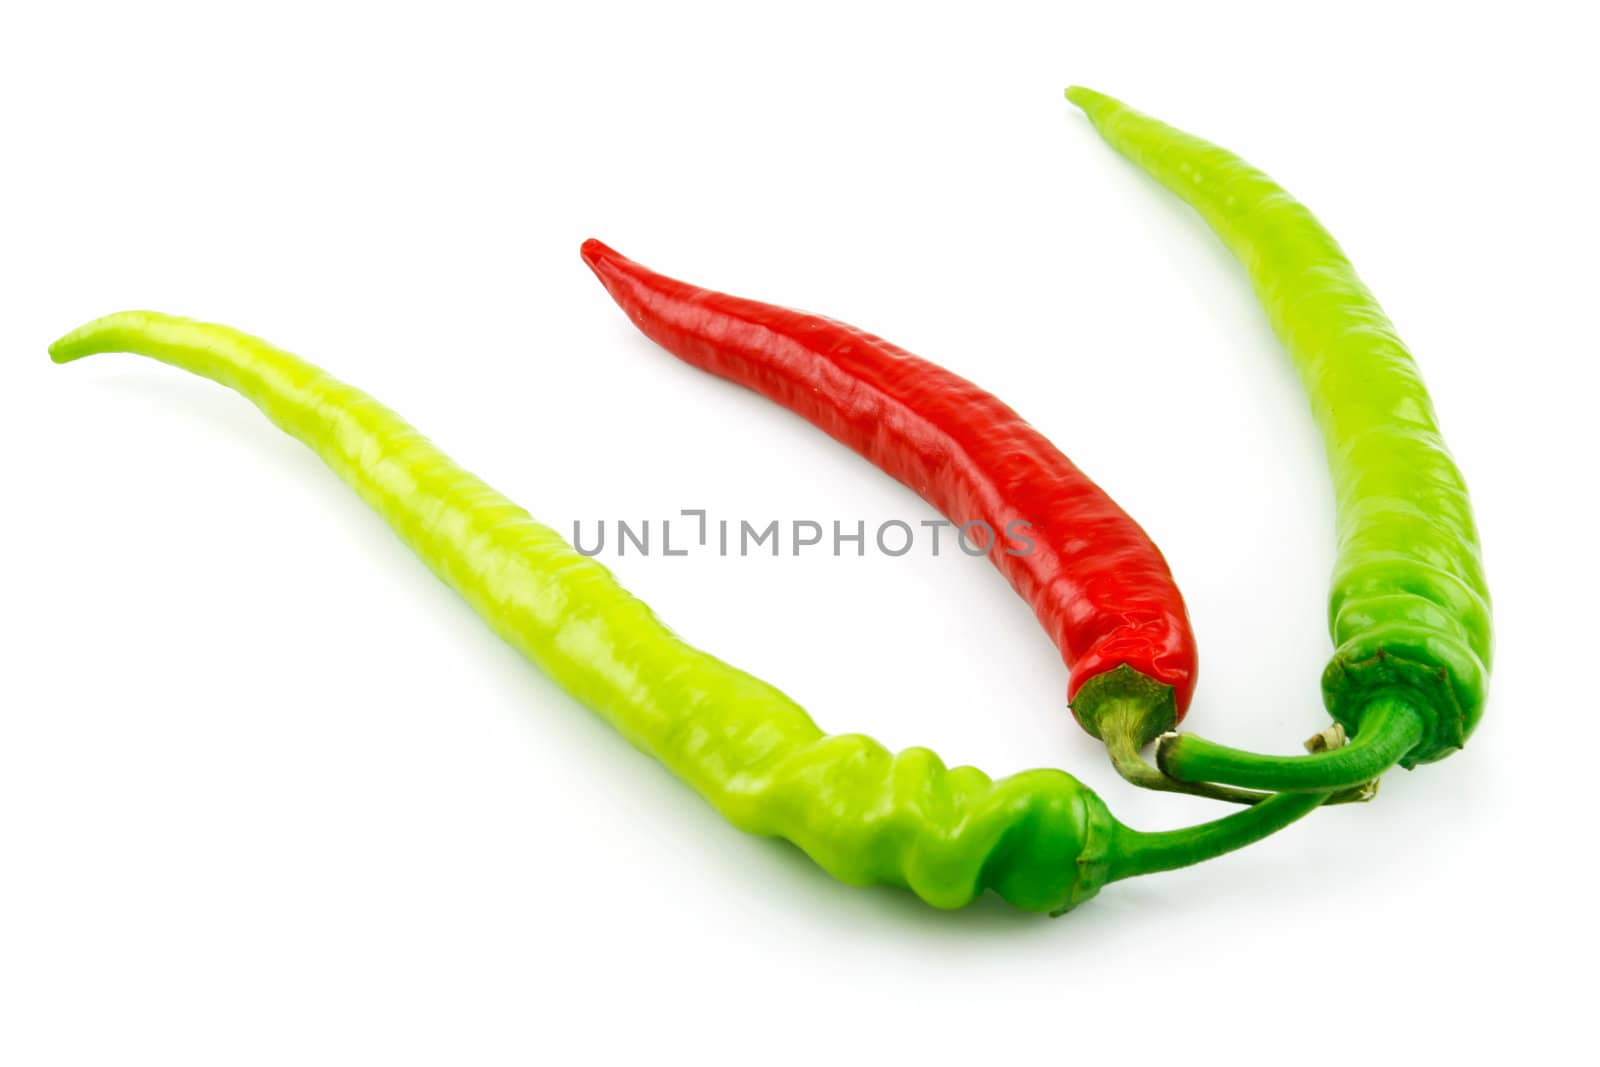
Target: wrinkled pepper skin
x=1095, y=580
x=1409, y=609
x=1039, y=839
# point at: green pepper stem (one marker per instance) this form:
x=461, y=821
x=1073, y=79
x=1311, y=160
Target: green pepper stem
x=1122, y=730
x=1136, y=852
x=1390, y=728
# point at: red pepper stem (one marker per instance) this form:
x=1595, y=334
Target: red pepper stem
x=1136, y=852
x=1390, y=728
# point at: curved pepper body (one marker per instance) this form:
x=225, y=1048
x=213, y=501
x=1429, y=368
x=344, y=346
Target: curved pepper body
x=1093, y=577
x=1040, y=839
x=1409, y=608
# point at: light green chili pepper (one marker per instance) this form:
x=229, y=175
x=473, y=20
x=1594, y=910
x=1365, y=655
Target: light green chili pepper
x=1409, y=609
x=1040, y=839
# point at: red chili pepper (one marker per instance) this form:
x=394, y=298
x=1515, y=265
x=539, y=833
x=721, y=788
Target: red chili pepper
x=1095, y=580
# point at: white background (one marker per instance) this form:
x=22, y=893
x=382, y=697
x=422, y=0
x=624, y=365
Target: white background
x=269, y=793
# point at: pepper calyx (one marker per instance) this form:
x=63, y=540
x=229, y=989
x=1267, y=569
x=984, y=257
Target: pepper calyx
x=1129, y=703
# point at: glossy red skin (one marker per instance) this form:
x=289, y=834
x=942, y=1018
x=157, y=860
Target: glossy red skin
x=1095, y=580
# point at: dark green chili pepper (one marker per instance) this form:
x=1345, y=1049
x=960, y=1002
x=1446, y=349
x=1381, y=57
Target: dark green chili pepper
x=1409, y=609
